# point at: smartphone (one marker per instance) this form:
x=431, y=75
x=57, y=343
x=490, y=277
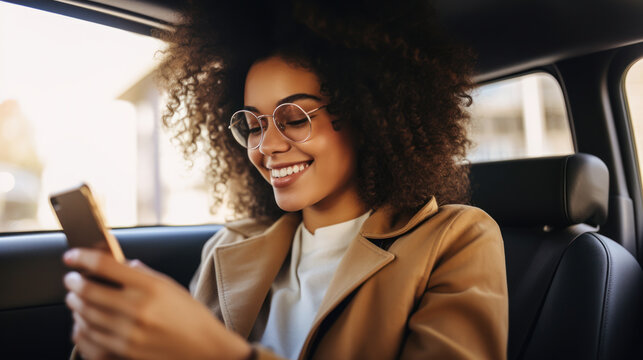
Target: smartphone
x=83, y=222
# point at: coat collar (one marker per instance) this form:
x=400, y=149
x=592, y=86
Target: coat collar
x=246, y=270
x=385, y=223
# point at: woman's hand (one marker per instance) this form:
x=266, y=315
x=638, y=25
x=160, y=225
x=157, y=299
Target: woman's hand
x=149, y=317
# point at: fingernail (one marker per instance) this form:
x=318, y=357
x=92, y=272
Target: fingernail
x=72, y=280
x=70, y=256
x=135, y=263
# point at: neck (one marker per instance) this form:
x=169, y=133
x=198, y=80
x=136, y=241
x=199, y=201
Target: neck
x=333, y=210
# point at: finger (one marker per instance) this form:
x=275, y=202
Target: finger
x=121, y=300
x=97, y=316
x=139, y=265
x=87, y=348
x=118, y=344
x=103, y=265
x=90, y=315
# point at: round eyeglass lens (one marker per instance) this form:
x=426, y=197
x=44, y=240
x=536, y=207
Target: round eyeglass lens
x=246, y=128
x=293, y=122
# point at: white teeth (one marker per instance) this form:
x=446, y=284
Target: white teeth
x=279, y=173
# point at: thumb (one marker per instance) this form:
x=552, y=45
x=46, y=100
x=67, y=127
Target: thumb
x=138, y=264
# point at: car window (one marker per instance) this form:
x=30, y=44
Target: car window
x=78, y=104
x=520, y=117
x=634, y=98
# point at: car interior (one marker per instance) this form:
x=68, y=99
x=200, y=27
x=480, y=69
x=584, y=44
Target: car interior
x=572, y=224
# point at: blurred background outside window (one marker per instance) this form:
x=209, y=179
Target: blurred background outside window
x=520, y=117
x=78, y=103
x=634, y=98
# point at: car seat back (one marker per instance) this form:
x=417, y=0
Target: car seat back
x=573, y=293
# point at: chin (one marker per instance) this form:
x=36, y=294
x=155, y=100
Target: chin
x=289, y=206
x=289, y=203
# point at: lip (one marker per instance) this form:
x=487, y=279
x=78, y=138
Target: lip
x=289, y=179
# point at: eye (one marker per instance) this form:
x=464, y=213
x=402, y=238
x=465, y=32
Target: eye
x=295, y=123
x=254, y=126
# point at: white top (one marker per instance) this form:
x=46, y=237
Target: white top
x=299, y=288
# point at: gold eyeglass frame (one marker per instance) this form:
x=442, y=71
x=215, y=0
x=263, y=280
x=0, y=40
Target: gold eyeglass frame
x=274, y=122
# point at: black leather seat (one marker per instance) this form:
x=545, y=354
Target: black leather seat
x=573, y=293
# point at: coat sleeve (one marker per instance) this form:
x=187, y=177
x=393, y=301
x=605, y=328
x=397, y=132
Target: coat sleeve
x=463, y=311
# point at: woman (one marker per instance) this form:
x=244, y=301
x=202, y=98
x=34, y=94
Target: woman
x=342, y=139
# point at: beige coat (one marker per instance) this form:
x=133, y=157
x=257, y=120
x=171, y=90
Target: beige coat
x=430, y=286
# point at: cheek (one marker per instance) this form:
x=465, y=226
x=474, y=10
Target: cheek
x=338, y=157
x=256, y=158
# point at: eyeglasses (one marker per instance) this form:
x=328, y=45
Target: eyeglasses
x=292, y=122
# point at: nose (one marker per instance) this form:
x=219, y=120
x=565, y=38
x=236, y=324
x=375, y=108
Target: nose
x=272, y=141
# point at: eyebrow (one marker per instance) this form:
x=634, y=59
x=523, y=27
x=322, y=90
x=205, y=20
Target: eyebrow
x=287, y=99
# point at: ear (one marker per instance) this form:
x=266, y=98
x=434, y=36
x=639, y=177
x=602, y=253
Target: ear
x=336, y=125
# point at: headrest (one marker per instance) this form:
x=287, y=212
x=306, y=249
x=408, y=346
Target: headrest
x=555, y=191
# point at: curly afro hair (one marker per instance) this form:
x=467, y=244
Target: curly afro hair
x=388, y=70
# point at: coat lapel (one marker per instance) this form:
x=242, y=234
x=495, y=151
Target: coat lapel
x=246, y=270
x=363, y=259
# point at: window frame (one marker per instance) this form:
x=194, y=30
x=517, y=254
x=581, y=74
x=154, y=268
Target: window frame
x=98, y=13
x=622, y=61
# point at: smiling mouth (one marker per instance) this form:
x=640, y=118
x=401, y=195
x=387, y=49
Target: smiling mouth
x=289, y=170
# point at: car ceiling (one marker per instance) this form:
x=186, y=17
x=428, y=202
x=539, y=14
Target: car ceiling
x=508, y=35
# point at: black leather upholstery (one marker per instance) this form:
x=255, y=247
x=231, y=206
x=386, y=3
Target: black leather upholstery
x=573, y=294
x=556, y=191
x=592, y=307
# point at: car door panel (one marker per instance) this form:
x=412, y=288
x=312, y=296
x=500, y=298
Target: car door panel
x=34, y=322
